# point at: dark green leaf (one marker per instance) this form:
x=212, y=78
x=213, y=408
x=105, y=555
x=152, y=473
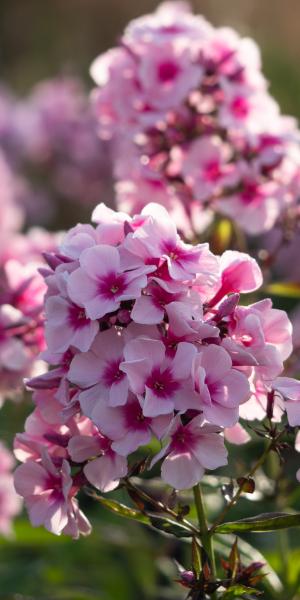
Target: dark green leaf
x=263, y=522
x=168, y=526
x=162, y=523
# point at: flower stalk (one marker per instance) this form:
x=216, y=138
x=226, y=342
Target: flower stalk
x=205, y=536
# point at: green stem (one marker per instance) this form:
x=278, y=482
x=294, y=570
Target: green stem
x=206, y=538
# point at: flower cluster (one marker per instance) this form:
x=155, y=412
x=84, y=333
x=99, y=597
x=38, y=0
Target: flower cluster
x=192, y=123
x=147, y=341
x=50, y=140
x=22, y=291
x=10, y=503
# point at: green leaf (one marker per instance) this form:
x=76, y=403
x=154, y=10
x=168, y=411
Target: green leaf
x=121, y=509
x=158, y=522
x=168, y=526
x=259, y=523
x=286, y=289
x=239, y=591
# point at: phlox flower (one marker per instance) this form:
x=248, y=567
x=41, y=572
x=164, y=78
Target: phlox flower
x=49, y=496
x=188, y=111
x=147, y=342
x=164, y=381
x=192, y=449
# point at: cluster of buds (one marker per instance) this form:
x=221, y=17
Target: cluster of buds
x=193, y=124
x=147, y=341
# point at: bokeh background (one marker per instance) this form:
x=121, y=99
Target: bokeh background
x=120, y=561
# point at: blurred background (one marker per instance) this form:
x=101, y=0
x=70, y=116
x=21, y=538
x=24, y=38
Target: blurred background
x=39, y=40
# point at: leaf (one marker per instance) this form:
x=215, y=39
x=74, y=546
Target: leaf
x=168, y=526
x=120, y=509
x=196, y=558
x=162, y=523
x=259, y=523
x=239, y=591
x=286, y=289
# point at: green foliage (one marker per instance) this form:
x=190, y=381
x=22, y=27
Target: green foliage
x=263, y=522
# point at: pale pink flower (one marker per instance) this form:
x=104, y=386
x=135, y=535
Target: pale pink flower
x=99, y=369
x=10, y=502
x=205, y=167
x=104, y=471
x=127, y=425
x=220, y=389
x=192, y=449
x=49, y=496
x=67, y=325
x=100, y=284
x=164, y=381
x=237, y=435
x=290, y=391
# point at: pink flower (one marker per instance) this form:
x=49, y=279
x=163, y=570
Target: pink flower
x=100, y=284
x=128, y=426
x=157, y=238
x=239, y=273
x=99, y=370
x=105, y=471
x=220, y=388
x=10, y=503
x=192, y=449
x=167, y=74
x=206, y=167
x=161, y=383
x=67, y=325
x=237, y=435
x=146, y=340
x=49, y=496
x=189, y=113
x=266, y=333
x=290, y=391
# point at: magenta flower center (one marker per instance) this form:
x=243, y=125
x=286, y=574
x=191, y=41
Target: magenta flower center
x=134, y=416
x=162, y=383
x=112, y=373
x=212, y=170
x=240, y=107
x=77, y=317
x=183, y=439
x=112, y=285
x=250, y=193
x=167, y=71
